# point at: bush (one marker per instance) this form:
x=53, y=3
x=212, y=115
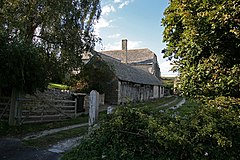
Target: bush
x=208, y=133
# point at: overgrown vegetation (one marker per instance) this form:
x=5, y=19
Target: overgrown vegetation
x=135, y=133
x=202, y=37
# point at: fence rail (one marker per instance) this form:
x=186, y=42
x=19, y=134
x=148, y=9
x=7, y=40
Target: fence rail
x=39, y=110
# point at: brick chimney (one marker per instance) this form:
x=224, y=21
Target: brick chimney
x=124, y=48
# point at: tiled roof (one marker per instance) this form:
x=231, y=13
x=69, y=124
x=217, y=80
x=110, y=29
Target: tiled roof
x=128, y=73
x=133, y=55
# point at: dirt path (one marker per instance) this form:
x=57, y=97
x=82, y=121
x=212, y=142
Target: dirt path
x=13, y=149
x=65, y=145
x=52, y=131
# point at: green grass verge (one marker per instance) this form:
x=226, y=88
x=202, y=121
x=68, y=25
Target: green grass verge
x=179, y=99
x=155, y=103
x=26, y=129
x=188, y=107
x=49, y=140
x=20, y=131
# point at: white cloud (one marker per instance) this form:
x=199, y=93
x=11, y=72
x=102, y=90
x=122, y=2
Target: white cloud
x=165, y=68
x=125, y=3
x=112, y=46
x=117, y=35
x=107, y=9
x=117, y=1
x=102, y=23
x=134, y=44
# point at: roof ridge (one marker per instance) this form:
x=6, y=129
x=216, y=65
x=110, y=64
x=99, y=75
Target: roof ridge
x=127, y=50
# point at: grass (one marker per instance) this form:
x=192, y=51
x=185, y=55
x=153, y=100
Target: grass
x=155, y=103
x=58, y=86
x=20, y=131
x=179, y=99
x=49, y=140
x=26, y=129
x=188, y=107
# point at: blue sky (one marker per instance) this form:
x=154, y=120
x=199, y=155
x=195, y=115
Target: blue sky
x=139, y=21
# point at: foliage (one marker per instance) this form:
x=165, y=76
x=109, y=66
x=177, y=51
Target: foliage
x=132, y=133
x=96, y=75
x=22, y=66
x=56, y=31
x=203, y=36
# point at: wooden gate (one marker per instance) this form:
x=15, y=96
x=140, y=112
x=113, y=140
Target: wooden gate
x=4, y=108
x=36, y=110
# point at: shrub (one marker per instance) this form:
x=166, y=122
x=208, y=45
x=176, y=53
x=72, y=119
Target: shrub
x=209, y=132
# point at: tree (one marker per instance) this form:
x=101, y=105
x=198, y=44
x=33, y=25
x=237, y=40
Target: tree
x=204, y=38
x=55, y=31
x=95, y=75
x=22, y=67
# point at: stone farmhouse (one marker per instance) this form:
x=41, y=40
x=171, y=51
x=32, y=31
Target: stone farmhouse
x=130, y=84
x=136, y=74
x=143, y=59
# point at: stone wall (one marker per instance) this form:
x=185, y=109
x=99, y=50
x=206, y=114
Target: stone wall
x=53, y=94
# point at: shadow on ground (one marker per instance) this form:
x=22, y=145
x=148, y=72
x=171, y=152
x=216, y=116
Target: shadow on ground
x=13, y=149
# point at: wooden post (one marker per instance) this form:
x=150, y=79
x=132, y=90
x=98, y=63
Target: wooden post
x=13, y=108
x=18, y=111
x=75, y=113
x=93, y=108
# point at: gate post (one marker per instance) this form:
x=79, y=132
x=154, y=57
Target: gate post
x=93, y=108
x=13, y=108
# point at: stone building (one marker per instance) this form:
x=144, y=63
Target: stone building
x=143, y=59
x=129, y=83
